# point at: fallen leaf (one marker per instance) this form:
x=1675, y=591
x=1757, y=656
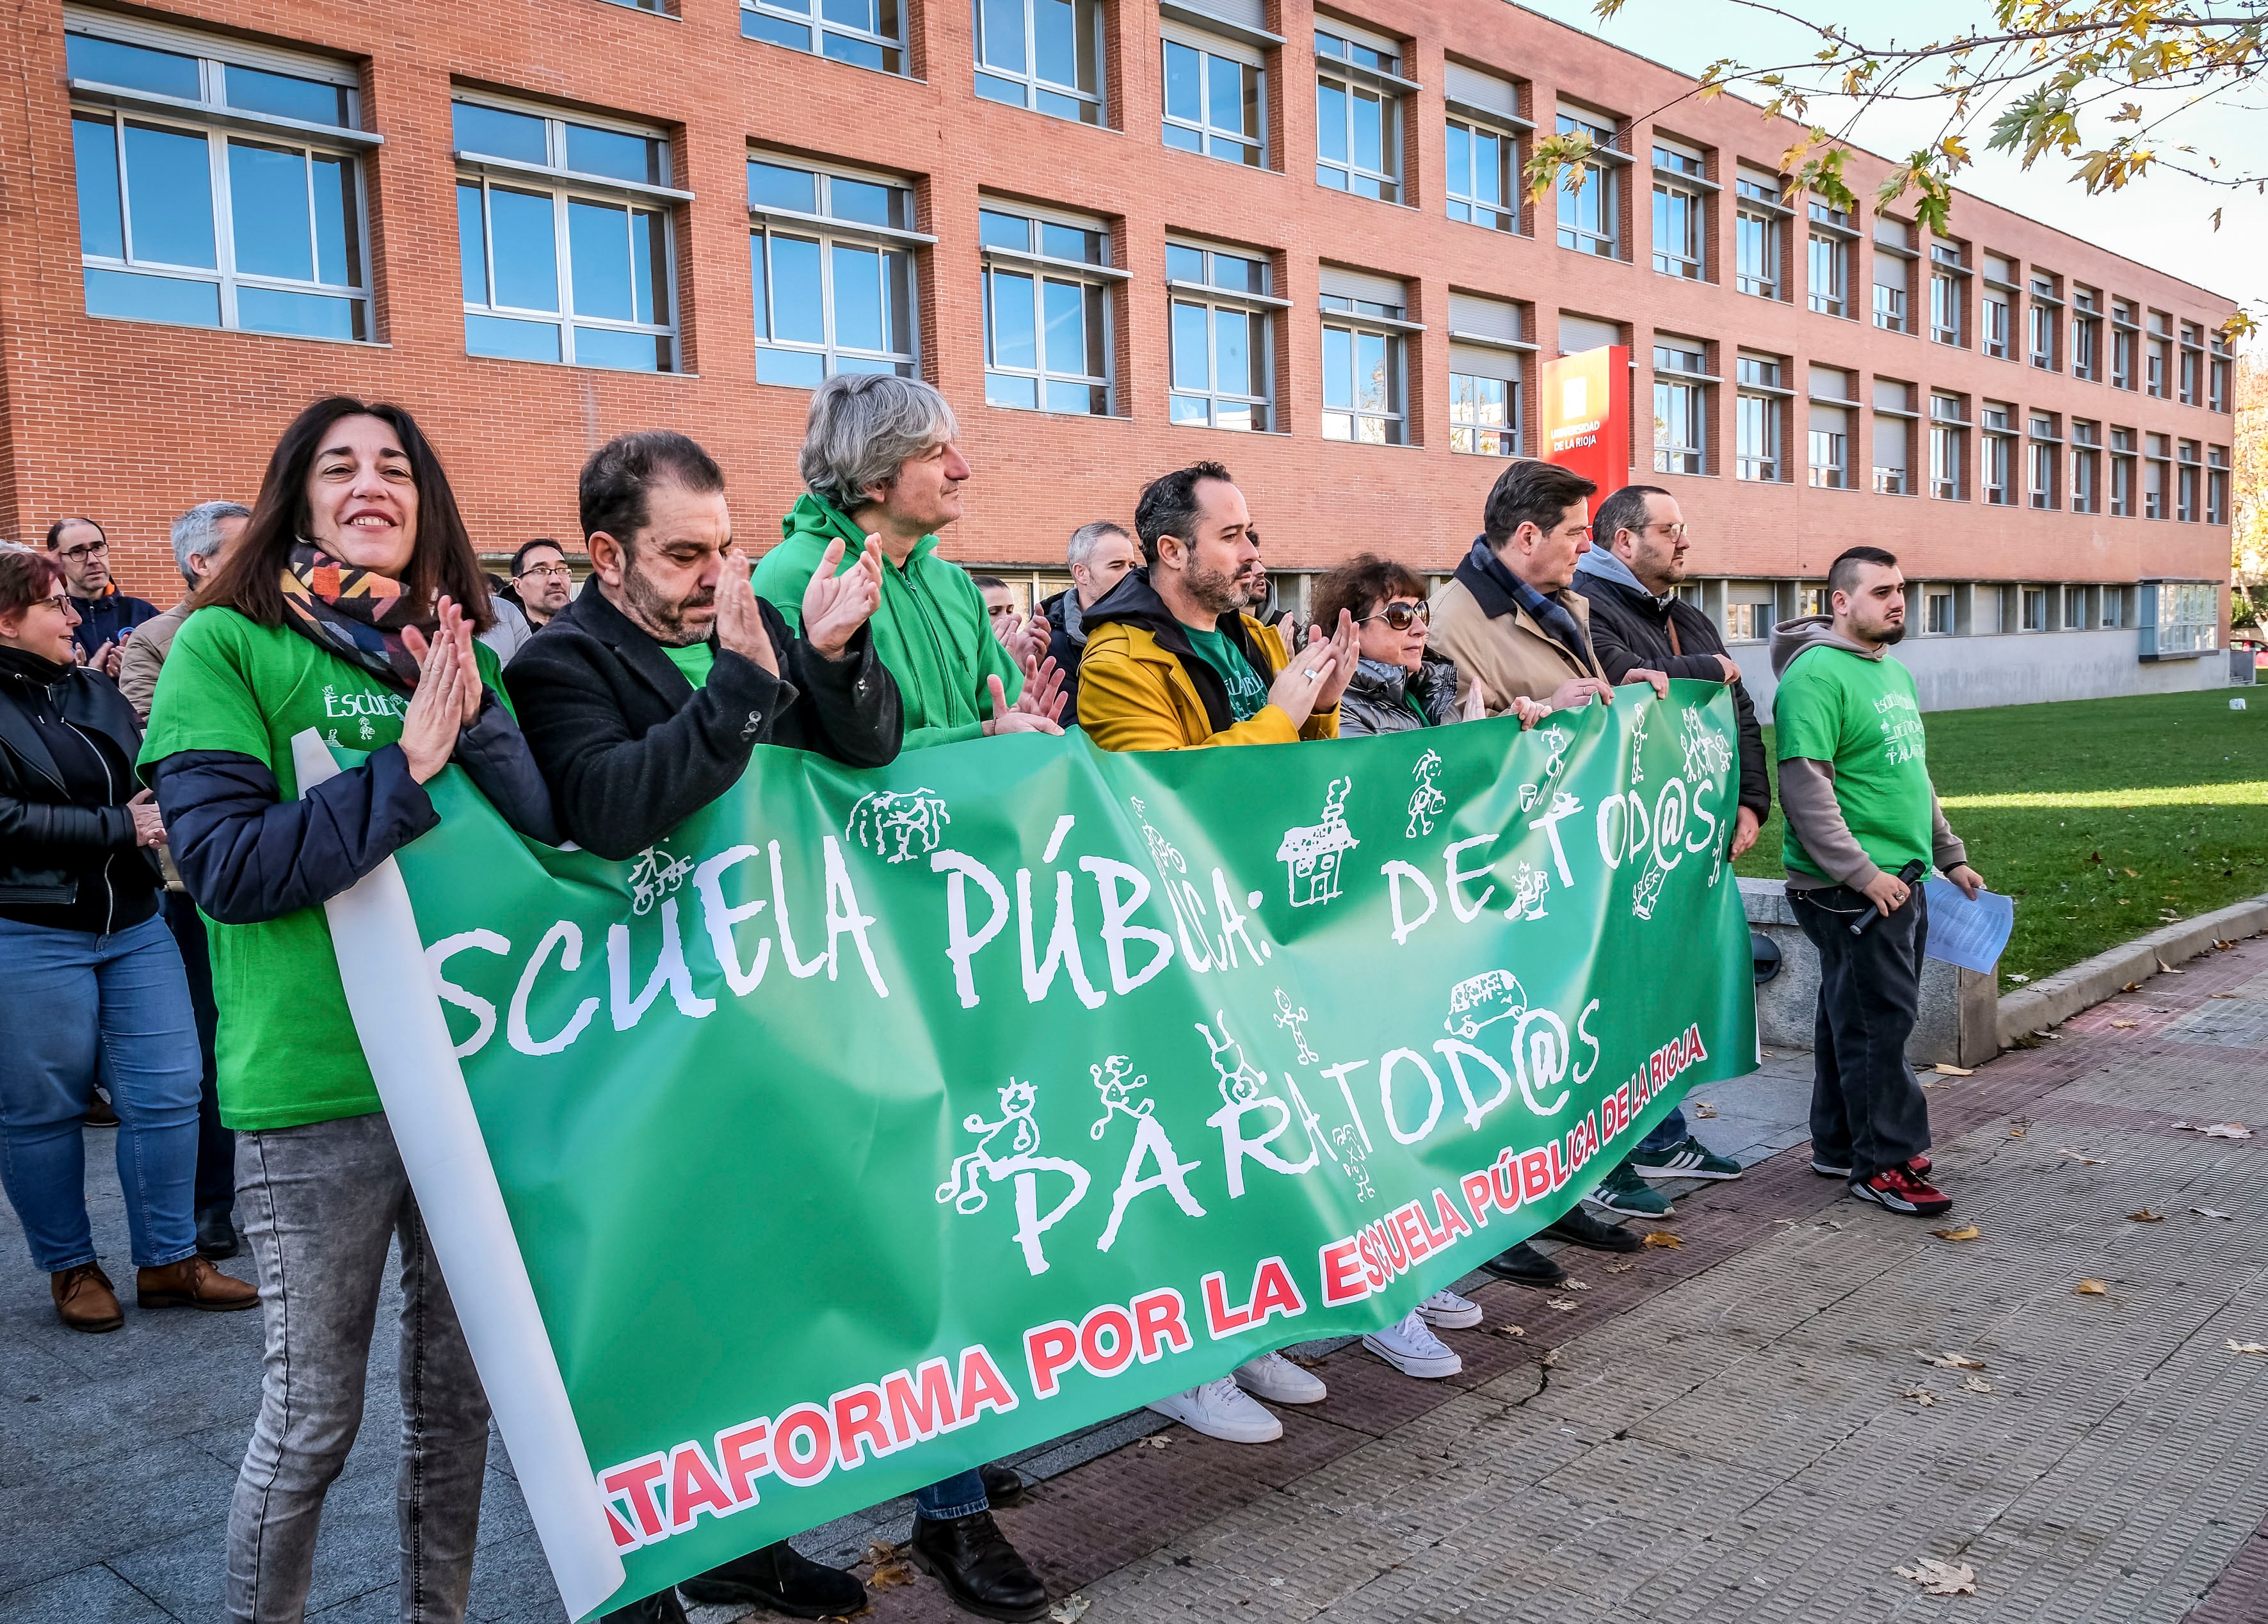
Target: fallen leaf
x=1701, y=1107
x=2094, y=856
x=2131, y=987
x=2015, y=1133
x=1945, y=1070
x=1562, y=1306
x=2237, y=1347
x=1069, y=1610
x=2177, y=1124
x=2019, y=980
x=1576, y=1285
x=1949, y=1361
x=2130, y=874
x=1967, y=1231
x=2228, y=1131
x=2166, y=969
x=1974, y=1384
x=890, y=1569
x=1922, y=1396
x=1551, y=1359
x=1662, y=1238
x=1507, y=1330
x=2224, y=995
x=2121, y=1025
x=2209, y=1212
x=2084, y=1161
x=2091, y=1288
x=1158, y=1442
x=1937, y=1578
x=1620, y=1268
x=2147, y=1216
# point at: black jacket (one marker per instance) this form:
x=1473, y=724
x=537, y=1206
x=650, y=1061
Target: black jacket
x=106, y=619
x=1629, y=630
x=1066, y=646
x=1373, y=702
x=74, y=853
x=630, y=750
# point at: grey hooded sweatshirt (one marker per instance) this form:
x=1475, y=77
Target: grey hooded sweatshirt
x=1807, y=787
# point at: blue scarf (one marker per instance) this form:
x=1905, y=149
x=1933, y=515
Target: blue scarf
x=1544, y=609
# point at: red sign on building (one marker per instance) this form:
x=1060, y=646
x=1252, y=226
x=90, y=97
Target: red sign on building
x=1586, y=415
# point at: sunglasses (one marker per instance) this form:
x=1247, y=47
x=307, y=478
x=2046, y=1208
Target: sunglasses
x=1401, y=616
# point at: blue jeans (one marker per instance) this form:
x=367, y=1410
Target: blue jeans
x=1668, y=1131
x=961, y=1495
x=82, y=1007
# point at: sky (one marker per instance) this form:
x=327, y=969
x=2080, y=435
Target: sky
x=2163, y=221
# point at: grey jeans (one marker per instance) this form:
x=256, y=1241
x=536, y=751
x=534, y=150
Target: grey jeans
x=321, y=1205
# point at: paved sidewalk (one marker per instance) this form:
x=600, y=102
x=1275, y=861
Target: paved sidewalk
x=1718, y=1432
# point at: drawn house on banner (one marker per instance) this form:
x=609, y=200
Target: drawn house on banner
x=1313, y=854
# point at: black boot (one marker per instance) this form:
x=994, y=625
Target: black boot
x=216, y=1233
x=782, y=1579
x=662, y=1609
x=1585, y=1231
x=1004, y=1486
x=1523, y=1264
x=979, y=1568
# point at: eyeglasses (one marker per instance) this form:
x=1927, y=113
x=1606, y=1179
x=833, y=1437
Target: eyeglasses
x=1401, y=616
x=76, y=553
x=1675, y=532
x=59, y=602
x=548, y=572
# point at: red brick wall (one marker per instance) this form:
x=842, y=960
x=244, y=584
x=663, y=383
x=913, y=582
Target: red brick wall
x=133, y=423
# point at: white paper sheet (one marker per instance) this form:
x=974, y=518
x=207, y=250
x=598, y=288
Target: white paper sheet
x=1971, y=935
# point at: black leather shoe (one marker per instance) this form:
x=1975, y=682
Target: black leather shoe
x=662, y=1609
x=1523, y=1264
x=1003, y=1485
x=1585, y=1231
x=216, y=1233
x=979, y=1568
x=99, y=1112
x=782, y=1579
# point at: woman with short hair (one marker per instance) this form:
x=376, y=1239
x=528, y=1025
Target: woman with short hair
x=1396, y=684
x=349, y=606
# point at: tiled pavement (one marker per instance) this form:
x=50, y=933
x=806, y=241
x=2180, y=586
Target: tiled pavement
x=1718, y=1432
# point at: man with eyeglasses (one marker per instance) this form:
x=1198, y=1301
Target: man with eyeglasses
x=540, y=587
x=1629, y=578
x=106, y=616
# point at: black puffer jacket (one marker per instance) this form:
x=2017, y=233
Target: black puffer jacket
x=1374, y=703
x=68, y=854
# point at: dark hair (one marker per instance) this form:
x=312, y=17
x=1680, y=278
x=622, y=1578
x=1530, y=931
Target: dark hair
x=1625, y=510
x=621, y=473
x=55, y=530
x=1168, y=506
x=519, y=559
x=986, y=583
x=1363, y=580
x=1530, y=492
x=1843, y=574
x=249, y=579
x=26, y=578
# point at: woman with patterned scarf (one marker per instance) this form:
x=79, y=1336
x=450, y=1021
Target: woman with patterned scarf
x=350, y=605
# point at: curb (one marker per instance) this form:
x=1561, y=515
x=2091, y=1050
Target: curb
x=2057, y=998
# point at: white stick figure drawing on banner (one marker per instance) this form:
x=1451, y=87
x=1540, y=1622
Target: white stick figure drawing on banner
x=654, y=876
x=1426, y=799
x=1114, y=1082
x=1243, y=1084
x=898, y=826
x=1286, y=1016
x=1023, y=1164
x=1312, y=856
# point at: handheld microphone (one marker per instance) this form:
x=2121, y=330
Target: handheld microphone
x=1911, y=875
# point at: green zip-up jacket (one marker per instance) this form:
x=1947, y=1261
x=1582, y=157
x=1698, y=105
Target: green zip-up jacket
x=930, y=630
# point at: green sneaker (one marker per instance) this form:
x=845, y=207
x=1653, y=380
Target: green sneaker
x=1688, y=1158
x=1624, y=1191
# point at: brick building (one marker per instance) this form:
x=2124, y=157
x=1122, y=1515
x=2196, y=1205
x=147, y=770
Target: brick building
x=1120, y=235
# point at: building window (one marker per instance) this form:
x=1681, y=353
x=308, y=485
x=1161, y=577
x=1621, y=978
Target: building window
x=1483, y=415
x=566, y=244
x=1996, y=470
x=1364, y=366
x=1830, y=447
x=1949, y=294
x=1215, y=104
x=831, y=257
x=1681, y=215
x=2122, y=473
x=1046, y=313
x=2034, y=600
x=2043, y=317
x=206, y=199
x=1224, y=366
x=869, y=34
x=2086, y=460
x=2074, y=608
x=1045, y=54
x=2216, y=485
x=2044, y=451
x=2180, y=617
x=1680, y=407
x=2156, y=471
x=1590, y=211
x=1893, y=275
x=2187, y=483
x=1757, y=235
x=1487, y=363
x=1758, y=416
x=1749, y=623
x=2191, y=390
x=2122, y=345
x=1829, y=259
x=1481, y=184
x=2114, y=606
x=2087, y=334
x=1359, y=114
x=1992, y=315
x=2157, y=356
x=2218, y=374
x=1937, y=614
x=1893, y=438
x=1948, y=447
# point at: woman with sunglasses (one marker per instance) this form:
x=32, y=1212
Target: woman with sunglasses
x=1397, y=685
x=95, y=983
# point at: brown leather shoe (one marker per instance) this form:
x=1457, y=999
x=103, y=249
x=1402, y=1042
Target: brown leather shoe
x=192, y=1284
x=84, y=1300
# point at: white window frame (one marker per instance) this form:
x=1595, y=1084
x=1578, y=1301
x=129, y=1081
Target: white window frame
x=211, y=118
x=1351, y=424
x=1093, y=105
x=828, y=230
x=2042, y=465
x=1994, y=318
x=890, y=47
x=1761, y=403
x=1457, y=125
x=1213, y=300
x=1043, y=269
x=1948, y=450
x=1757, y=204
x=1680, y=407
x=1235, y=53
x=564, y=188
x=1355, y=80
x=1828, y=295
x=1600, y=178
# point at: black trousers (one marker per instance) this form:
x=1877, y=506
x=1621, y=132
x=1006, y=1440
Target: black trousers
x=1868, y=1112
x=216, y=1180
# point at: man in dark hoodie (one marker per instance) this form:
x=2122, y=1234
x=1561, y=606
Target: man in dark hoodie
x=1630, y=579
x=1854, y=786
x=1099, y=555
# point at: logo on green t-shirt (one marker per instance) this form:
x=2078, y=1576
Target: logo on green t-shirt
x=1248, y=694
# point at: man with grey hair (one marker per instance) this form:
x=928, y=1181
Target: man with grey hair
x=1099, y=555
x=883, y=471
x=200, y=537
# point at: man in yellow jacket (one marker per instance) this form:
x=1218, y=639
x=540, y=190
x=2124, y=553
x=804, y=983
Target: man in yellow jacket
x=1173, y=659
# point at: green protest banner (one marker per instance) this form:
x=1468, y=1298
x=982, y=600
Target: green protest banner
x=876, y=1124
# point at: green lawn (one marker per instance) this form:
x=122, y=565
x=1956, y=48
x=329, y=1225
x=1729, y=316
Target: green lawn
x=2104, y=819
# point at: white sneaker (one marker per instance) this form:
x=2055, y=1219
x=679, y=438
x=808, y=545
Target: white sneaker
x=1412, y=1348
x=1277, y=1379
x=1220, y=1410
x=1450, y=1311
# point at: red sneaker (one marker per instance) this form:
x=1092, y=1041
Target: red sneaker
x=1920, y=1166
x=1902, y=1189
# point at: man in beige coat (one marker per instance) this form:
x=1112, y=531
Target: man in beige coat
x=200, y=537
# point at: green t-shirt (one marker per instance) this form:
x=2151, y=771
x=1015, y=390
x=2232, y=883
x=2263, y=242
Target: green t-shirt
x=287, y=1054
x=1248, y=694
x=694, y=659
x=1859, y=716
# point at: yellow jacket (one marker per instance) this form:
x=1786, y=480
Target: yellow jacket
x=1137, y=694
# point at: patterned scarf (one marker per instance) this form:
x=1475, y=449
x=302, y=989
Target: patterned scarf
x=354, y=614
x=1545, y=609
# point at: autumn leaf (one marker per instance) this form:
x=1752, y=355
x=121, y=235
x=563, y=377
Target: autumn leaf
x=1974, y=1384
x=1944, y=1070
x=2166, y=969
x=2091, y=1288
x=1701, y=1107
x=1575, y=1285
x=890, y=1569
x=1662, y=1238
x=2228, y=1131
x=1158, y=1442
x=2145, y=1216
x=1937, y=1578
x=2084, y=1161
x=2121, y=1025
x=2015, y=1133
x=1949, y=1361
x=2252, y=1347
x=1620, y=1268
x=1069, y=1610
x=1924, y=1397
x=1967, y=1231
